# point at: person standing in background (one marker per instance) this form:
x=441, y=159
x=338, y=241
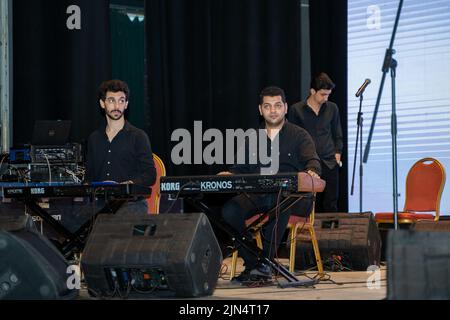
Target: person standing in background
x=320, y=118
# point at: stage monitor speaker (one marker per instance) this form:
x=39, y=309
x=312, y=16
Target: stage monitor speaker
x=164, y=255
x=30, y=266
x=418, y=264
x=347, y=241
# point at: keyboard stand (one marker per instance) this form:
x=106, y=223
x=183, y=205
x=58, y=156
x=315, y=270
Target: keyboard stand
x=288, y=202
x=73, y=242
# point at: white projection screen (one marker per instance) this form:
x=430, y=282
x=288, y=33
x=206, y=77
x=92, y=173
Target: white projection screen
x=422, y=46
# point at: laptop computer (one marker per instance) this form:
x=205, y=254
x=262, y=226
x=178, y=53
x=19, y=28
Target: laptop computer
x=51, y=132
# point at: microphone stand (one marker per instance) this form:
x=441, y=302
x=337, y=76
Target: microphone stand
x=389, y=63
x=359, y=139
x=393, y=68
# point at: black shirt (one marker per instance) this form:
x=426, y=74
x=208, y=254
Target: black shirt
x=128, y=157
x=324, y=128
x=296, y=148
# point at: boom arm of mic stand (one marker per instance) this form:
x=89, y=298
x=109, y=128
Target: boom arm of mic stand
x=374, y=118
x=386, y=65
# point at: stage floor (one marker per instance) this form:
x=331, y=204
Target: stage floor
x=345, y=285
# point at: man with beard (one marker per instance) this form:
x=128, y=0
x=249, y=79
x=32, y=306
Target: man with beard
x=119, y=152
x=296, y=153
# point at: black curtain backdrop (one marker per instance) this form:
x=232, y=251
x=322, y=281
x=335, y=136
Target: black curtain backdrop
x=208, y=61
x=328, y=19
x=56, y=70
x=128, y=57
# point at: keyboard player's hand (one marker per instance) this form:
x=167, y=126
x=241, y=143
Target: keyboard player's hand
x=313, y=174
x=224, y=173
x=127, y=182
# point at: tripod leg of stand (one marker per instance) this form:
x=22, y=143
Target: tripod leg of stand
x=292, y=280
x=69, y=238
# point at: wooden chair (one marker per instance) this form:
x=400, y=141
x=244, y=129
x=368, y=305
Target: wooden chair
x=424, y=185
x=298, y=225
x=153, y=200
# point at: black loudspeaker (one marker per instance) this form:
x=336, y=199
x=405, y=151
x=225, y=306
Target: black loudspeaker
x=347, y=241
x=30, y=266
x=418, y=264
x=165, y=255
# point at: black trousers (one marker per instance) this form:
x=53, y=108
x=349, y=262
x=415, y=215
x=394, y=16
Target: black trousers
x=244, y=206
x=327, y=200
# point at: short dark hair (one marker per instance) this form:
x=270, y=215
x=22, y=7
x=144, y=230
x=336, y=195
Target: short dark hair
x=322, y=81
x=112, y=86
x=271, y=91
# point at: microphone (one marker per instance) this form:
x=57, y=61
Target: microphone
x=362, y=88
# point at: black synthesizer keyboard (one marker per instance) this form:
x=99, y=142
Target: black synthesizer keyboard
x=290, y=182
x=103, y=190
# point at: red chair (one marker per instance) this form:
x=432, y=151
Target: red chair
x=153, y=200
x=424, y=184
